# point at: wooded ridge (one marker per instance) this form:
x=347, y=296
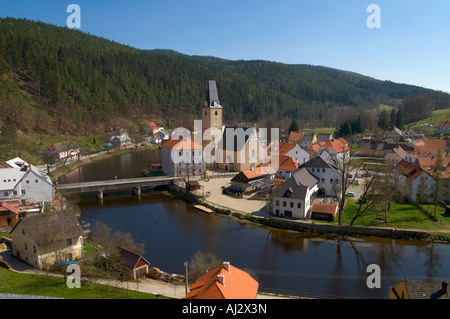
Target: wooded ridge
x=59, y=81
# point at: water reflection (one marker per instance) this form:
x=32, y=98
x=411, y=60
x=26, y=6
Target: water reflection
x=282, y=261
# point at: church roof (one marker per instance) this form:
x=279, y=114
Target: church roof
x=212, y=96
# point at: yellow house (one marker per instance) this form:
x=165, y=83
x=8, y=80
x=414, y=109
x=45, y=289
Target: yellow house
x=42, y=239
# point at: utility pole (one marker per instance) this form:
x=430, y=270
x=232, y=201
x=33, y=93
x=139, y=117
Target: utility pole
x=186, y=278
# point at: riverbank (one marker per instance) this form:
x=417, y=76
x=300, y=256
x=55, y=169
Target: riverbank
x=255, y=211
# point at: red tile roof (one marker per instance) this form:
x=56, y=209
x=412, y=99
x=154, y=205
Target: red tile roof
x=224, y=282
x=153, y=125
x=324, y=208
x=429, y=147
x=295, y=137
x=182, y=144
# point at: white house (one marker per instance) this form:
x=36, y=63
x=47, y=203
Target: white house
x=23, y=182
x=416, y=182
x=325, y=168
x=294, y=197
x=293, y=150
x=443, y=126
x=182, y=157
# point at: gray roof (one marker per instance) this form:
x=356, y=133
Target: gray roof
x=297, y=185
x=52, y=227
x=238, y=143
x=424, y=290
x=373, y=144
x=212, y=95
x=324, y=160
x=129, y=258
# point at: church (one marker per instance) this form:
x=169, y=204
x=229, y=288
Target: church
x=231, y=148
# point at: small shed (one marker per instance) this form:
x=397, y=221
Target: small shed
x=137, y=264
x=324, y=211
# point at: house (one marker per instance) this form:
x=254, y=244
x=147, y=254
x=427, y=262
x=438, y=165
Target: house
x=424, y=147
x=337, y=148
x=324, y=137
x=443, y=126
x=62, y=151
x=121, y=139
x=395, y=134
x=154, y=139
x=137, y=264
x=325, y=168
x=41, y=240
x=293, y=150
x=182, y=157
x=372, y=148
x=324, y=211
x=251, y=180
x=287, y=165
x=9, y=213
x=224, y=282
x=25, y=183
x=152, y=128
x=294, y=197
x=295, y=137
x=411, y=135
x=308, y=139
x=398, y=154
x=418, y=183
x=416, y=289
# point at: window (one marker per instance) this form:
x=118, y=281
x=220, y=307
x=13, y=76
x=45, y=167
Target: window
x=23, y=192
x=23, y=231
x=34, y=249
x=216, y=113
x=323, y=170
x=69, y=242
x=277, y=203
x=25, y=246
x=299, y=205
x=292, y=204
x=28, y=182
x=331, y=181
x=36, y=180
x=5, y=193
x=323, y=180
x=284, y=204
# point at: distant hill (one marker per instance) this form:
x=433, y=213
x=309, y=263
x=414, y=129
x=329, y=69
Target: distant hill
x=60, y=81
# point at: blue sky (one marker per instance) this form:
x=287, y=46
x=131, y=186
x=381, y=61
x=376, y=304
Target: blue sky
x=412, y=45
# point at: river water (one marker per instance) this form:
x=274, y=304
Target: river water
x=281, y=261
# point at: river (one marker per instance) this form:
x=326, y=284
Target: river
x=281, y=261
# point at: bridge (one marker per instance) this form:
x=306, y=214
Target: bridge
x=117, y=184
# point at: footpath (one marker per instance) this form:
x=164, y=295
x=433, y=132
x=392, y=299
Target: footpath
x=145, y=285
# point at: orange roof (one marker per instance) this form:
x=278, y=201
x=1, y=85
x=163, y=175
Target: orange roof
x=324, y=208
x=224, y=282
x=284, y=148
x=430, y=146
x=295, y=137
x=288, y=163
x=339, y=145
x=11, y=207
x=153, y=125
x=182, y=144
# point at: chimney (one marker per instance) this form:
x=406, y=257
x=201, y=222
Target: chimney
x=221, y=279
x=444, y=287
x=226, y=266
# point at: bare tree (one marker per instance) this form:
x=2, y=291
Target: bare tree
x=370, y=195
x=202, y=262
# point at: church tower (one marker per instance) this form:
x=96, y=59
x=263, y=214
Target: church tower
x=211, y=111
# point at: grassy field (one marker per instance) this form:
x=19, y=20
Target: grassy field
x=436, y=116
x=49, y=286
x=400, y=216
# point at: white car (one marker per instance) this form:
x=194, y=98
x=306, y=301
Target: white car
x=350, y=194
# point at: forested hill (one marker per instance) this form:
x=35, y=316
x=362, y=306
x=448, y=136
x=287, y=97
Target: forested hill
x=63, y=81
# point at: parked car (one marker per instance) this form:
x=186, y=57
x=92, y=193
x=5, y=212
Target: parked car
x=350, y=194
